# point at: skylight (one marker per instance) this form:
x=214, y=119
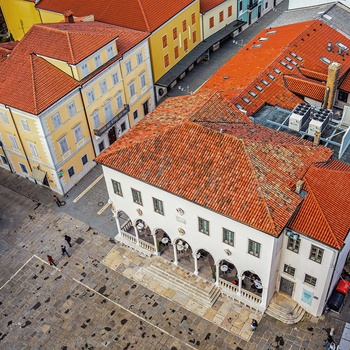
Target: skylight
x=265, y=82
x=245, y=99
x=277, y=71
x=263, y=39
x=288, y=58
x=252, y=93
x=342, y=46
x=271, y=76
x=293, y=54
x=259, y=88
x=283, y=63
x=239, y=106
x=272, y=32
x=289, y=67
x=298, y=58
x=295, y=63
x=256, y=46
x=325, y=60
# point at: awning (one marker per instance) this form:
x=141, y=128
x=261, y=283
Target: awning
x=197, y=52
x=38, y=174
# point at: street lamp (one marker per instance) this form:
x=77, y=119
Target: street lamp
x=8, y=163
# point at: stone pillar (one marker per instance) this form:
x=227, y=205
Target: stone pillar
x=240, y=278
x=217, y=273
x=155, y=242
x=136, y=234
x=331, y=84
x=195, y=263
x=175, y=254
x=317, y=137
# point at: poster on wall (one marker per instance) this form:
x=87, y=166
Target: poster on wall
x=307, y=297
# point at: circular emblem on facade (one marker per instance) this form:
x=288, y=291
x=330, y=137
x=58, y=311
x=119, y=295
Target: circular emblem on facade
x=181, y=231
x=180, y=211
x=139, y=211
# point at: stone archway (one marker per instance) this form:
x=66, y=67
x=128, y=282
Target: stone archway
x=228, y=272
x=252, y=282
x=206, y=266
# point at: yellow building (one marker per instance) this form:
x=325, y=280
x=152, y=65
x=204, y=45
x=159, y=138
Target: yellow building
x=64, y=98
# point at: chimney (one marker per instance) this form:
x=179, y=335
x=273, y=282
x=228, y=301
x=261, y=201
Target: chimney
x=68, y=16
x=317, y=137
x=299, y=186
x=331, y=85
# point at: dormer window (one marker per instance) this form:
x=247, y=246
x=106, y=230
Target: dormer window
x=98, y=61
x=85, y=70
x=110, y=52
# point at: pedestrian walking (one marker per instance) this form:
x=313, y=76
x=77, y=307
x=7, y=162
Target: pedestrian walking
x=64, y=250
x=57, y=200
x=253, y=325
x=68, y=239
x=50, y=260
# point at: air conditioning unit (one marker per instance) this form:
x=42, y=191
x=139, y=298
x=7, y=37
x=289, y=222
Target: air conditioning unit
x=161, y=91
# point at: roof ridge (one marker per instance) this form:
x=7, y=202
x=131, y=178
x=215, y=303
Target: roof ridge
x=70, y=46
x=144, y=15
x=31, y=57
x=321, y=211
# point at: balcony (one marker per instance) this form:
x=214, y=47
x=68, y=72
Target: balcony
x=251, y=5
x=108, y=125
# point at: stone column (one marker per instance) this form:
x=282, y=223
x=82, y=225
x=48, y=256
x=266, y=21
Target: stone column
x=240, y=278
x=217, y=273
x=155, y=242
x=195, y=263
x=175, y=254
x=136, y=234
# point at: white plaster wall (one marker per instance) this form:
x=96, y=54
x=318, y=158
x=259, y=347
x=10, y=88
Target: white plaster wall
x=295, y=4
x=264, y=266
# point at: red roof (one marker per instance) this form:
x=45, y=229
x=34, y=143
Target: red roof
x=345, y=85
x=244, y=177
x=291, y=50
x=207, y=5
x=30, y=83
x=324, y=214
x=144, y=15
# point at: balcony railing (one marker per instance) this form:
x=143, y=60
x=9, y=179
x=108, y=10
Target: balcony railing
x=108, y=125
x=252, y=5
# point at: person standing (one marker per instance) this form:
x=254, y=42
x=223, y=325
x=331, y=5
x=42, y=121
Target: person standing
x=50, y=260
x=254, y=324
x=64, y=250
x=57, y=200
x=68, y=239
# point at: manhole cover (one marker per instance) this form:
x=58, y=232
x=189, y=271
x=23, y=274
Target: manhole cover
x=79, y=240
x=100, y=204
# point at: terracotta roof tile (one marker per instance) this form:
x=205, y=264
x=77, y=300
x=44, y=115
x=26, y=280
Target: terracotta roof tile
x=324, y=214
x=207, y=5
x=245, y=178
x=144, y=15
x=309, y=73
x=345, y=85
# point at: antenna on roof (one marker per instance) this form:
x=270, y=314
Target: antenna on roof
x=329, y=48
x=340, y=51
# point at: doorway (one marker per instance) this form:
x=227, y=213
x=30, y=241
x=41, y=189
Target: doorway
x=112, y=136
x=286, y=286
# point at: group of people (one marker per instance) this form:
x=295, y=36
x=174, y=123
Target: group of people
x=51, y=260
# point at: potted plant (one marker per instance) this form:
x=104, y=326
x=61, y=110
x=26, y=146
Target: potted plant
x=159, y=247
x=213, y=273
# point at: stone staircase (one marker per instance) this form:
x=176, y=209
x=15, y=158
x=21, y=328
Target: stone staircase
x=194, y=287
x=285, y=309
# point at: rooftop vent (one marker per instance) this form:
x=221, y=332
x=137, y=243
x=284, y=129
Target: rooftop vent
x=329, y=46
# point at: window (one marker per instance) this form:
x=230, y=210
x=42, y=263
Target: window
x=175, y=33
x=132, y=89
x=13, y=142
x=277, y=71
x=4, y=118
x=203, y=226
x=143, y=80
x=259, y=88
x=98, y=61
x=33, y=149
x=4, y=160
x=56, y=120
x=123, y=127
x=254, y=248
x=119, y=100
x=84, y=159
x=221, y=16
x=252, y=93
x=78, y=134
x=241, y=5
x=103, y=87
x=101, y=146
x=166, y=60
x=176, y=52
x=343, y=96
x=128, y=66
x=293, y=245
x=246, y=100
x=229, y=11
x=85, y=69
x=135, y=114
x=71, y=171
x=310, y=280
x=72, y=111
x=115, y=78
x=90, y=96
x=289, y=269
x=96, y=119
x=117, y=188
x=184, y=25
x=158, y=206
x=211, y=22
x=194, y=36
x=316, y=254
x=110, y=53
x=265, y=82
x=165, y=41
x=193, y=18
x=136, y=196
x=63, y=145
x=107, y=108
x=228, y=236
x=186, y=44
x=271, y=76
x=23, y=168
x=145, y=107
x=25, y=124
x=139, y=57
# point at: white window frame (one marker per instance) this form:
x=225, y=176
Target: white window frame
x=228, y=236
x=136, y=196
x=63, y=145
x=33, y=149
x=108, y=111
x=117, y=188
x=78, y=134
x=98, y=61
x=13, y=142
x=115, y=78
x=96, y=118
x=4, y=118
x=90, y=95
x=312, y=281
x=56, y=120
x=85, y=69
x=316, y=254
x=158, y=206
x=25, y=125
x=203, y=226
x=293, y=245
x=119, y=100
x=132, y=89
x=254, y=248
x=143, y=80
x=72, y=167
x=23, y=168
x=128, y=66
x=110, y=52
x=139, y=57
x=103, y=86
x=72, y=110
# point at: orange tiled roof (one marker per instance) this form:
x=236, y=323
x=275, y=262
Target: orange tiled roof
x=144, y=15
x=291, y=49
x=207, y=5
x=305, y=87
x=30, y=83
x=246, y=179
x=345, y=85
x=324, y=214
